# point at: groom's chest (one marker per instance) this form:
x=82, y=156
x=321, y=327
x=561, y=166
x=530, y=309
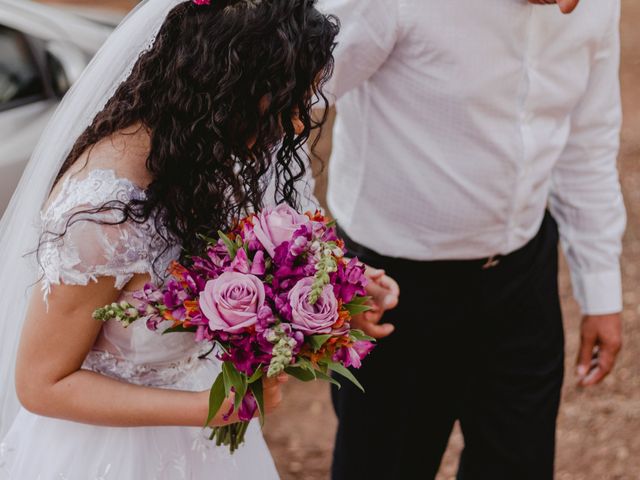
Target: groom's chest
x=470, y=49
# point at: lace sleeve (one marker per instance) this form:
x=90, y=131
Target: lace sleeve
x=78, y=247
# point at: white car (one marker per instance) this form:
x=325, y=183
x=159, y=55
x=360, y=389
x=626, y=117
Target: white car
x=43, y=50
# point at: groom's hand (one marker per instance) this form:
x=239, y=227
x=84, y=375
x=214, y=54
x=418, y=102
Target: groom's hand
x=384, y=292
x=601, y=340
x=566, y=6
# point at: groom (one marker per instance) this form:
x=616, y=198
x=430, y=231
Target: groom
x=459, y=124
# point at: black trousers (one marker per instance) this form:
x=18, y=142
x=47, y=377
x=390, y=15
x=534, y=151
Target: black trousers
x=484, y=346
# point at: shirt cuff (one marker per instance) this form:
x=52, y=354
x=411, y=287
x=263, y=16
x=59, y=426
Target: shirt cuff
x=598, y=293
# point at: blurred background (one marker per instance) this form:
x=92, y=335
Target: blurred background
x=43, y=49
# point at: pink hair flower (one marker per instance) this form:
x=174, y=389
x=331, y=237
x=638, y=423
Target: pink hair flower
x=202, y=2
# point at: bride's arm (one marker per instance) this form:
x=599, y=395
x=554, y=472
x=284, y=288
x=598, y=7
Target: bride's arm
x=49, y=381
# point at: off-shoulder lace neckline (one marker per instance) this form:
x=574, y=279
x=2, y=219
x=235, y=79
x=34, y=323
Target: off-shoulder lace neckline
x=85, y=242
x=106, y=175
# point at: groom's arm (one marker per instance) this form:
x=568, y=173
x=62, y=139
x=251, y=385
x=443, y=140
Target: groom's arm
x=587, y=202
x=369, y=31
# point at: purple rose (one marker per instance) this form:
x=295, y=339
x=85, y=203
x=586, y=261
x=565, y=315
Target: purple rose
x=274, y=226
x=316, y=318
x=232, y=301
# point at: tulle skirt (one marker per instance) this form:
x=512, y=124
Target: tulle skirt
x=40, y=448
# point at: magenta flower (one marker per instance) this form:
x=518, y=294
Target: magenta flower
x=258, y=266
x=248, y=407
x=349, y=280
x=316, y=318
x=149, y=294
x=219, y=255
x=203, y=334
x=352, y=357
x=265, y=318
x=153, y=321
x=241, y=262
x=232, y=301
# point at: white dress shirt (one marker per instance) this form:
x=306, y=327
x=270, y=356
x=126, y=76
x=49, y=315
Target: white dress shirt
x=460, y=121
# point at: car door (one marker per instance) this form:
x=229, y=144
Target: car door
x=26, y=103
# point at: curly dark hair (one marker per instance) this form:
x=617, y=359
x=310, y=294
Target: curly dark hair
x=217, y=92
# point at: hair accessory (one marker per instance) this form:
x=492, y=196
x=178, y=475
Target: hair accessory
x=202, y=2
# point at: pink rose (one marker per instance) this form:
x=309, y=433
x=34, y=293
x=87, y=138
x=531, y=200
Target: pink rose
x=274, y=226
x=232, y=301
x=312, y=319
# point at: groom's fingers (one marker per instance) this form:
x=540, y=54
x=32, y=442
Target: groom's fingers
x=385, y=292
x=377, y=330
x=604, y=360
x=369, y=323
x=568, y=6
x=373, y=273
x=585, y=355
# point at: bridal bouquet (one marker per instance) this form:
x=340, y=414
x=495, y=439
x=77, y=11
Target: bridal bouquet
x=273, y=295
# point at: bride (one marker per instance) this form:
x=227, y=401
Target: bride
x=169, y=135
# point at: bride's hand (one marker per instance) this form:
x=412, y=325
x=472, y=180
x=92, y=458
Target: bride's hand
x=272, y=392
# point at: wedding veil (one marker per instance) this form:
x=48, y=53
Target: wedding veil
x=19, y=228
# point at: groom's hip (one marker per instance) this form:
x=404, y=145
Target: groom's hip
x=545, y=238
x=484, y=341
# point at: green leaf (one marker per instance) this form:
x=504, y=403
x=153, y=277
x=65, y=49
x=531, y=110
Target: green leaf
x=180, y=329
x=304, y=363
x=323, y=367
x=331, y=223
x=359, y=335
x=359, y=300
x=206, y=238
x=216, y=398
x=232, y=248
x=317, y=341
x=257, y=375
x=258, y=392
x=357, y=305
x=233, y=378
x=328, y=378
x=357, y=309
x=241, y=391
x=223, y=347
x=301, y=373
x=344, y=371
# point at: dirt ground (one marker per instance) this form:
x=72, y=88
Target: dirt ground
x=599, y=429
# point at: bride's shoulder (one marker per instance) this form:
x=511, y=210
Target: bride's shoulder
x=113, y=170
x=125, y=152
x=87, y=230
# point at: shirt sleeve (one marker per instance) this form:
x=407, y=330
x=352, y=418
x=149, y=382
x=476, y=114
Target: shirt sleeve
x=368, y=34
x=586, y=197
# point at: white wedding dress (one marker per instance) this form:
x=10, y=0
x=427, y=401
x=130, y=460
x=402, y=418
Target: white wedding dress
x=39, y=448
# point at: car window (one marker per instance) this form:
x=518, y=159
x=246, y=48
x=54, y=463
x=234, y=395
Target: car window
x=20, y=79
